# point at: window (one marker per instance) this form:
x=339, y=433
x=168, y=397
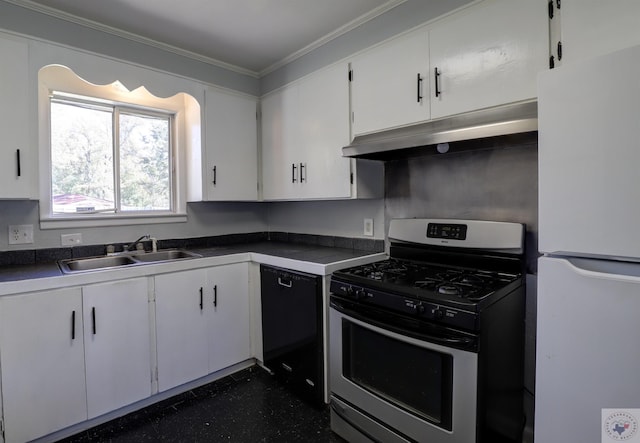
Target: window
x=109, y=158
x=111, y=154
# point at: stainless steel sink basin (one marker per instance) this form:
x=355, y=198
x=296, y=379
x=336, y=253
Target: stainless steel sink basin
x=71, y=266
x=169, y=254
x=94, y=263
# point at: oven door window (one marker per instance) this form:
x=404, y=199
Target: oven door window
x=410, y=377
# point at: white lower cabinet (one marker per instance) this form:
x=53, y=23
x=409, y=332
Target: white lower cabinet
x=181, y=329
x=229, y=331
x=42, y=359
x=202, y=322
x=72, y=354
x=117, y=344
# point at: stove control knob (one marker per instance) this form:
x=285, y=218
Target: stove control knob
x=350, y=291
x=418, y=308
x=438, y=314
x=359, y=294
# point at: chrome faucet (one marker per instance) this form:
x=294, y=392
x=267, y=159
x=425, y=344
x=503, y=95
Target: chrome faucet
x=132, y=245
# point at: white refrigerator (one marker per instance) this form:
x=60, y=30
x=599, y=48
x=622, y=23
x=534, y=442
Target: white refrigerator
x=588, y=319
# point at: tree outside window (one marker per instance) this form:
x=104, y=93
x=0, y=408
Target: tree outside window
x=109, y=158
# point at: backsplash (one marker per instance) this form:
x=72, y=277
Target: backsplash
x=34, y=256
x=498, y=184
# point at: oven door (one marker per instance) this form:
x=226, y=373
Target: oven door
x=385, y=381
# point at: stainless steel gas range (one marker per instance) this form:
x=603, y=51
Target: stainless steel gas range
x=427, y=345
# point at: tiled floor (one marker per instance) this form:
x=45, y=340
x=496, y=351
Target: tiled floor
x=249, y=406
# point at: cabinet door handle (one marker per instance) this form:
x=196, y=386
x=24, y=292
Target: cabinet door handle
x=201, y=300
x=18, y=162
x=73, y=325
x=419, y=88
x=286, y=284
x=215, y=174
x=293, y=173
x=303, y=171
x=93, y=320
x=215, y=296
x=436, y=74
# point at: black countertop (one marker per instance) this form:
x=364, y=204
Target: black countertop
x=323, y=255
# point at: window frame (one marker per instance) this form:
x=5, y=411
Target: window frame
x=63, y=82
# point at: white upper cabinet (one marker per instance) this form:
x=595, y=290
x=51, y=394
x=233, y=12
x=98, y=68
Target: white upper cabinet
x=16, y=167
x=231, y=147
x=486, y=55
x=390, y=85
x=305, y=125
x=590, y=28
x=324, y=131
x=280, y=138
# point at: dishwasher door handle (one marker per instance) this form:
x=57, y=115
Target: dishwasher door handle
x=286, y=284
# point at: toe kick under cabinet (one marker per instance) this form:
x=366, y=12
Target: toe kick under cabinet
x=292, y=329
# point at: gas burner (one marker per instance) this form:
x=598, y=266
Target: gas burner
x=448, y=289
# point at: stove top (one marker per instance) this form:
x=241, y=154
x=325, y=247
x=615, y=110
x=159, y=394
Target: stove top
x=428, y=281
x=448, y=271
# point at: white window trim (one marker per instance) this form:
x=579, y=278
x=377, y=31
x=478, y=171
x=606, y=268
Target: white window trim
x=187, y=122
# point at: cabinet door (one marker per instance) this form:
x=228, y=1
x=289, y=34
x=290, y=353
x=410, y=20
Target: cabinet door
x=280, y=135
x=229, y=329
x=389, y=86
x=590, y=28
x=181, y=327
x=488, y=54
x=324, y=131
x=15, y=159
x=117, y=344
x=43, y=384
x=231, y=146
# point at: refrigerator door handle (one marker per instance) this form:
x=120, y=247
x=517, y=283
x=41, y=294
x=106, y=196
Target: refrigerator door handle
x=605, y=269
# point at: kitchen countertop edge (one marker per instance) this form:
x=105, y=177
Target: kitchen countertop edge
x=316, y=260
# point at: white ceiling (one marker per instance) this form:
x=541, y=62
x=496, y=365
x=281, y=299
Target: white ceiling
x=253, y=36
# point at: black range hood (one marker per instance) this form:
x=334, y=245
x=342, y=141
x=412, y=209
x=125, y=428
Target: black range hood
x=421, y=139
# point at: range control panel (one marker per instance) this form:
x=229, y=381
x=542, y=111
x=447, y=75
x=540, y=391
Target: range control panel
x=419, y=308
x=447, y=231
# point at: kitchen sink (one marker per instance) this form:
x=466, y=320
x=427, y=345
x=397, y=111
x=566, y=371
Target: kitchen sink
x=94, y=263
x=169, y=254
x=74, y=265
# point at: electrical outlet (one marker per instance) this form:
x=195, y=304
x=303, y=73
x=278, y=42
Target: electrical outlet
x=71, y=239
x=20, y=234
x=368, y=227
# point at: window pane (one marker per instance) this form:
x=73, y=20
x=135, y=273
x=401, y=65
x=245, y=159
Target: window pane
x=145, y=174
x=81, y=158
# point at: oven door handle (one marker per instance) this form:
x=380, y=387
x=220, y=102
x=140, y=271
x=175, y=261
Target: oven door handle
x=460, y=342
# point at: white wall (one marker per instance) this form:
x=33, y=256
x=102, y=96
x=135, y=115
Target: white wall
x=204, y=219
x=337, y=218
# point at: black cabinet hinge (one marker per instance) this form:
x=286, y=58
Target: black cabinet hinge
x=351, y=177
x=350, y=75
x=552, y=62
x=550, y=9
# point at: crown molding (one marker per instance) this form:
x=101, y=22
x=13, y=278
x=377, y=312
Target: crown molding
x=333, y=35
x=130, y=36
x=28, y=4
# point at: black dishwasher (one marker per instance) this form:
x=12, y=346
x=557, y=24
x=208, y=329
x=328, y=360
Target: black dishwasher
x=292, y=329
